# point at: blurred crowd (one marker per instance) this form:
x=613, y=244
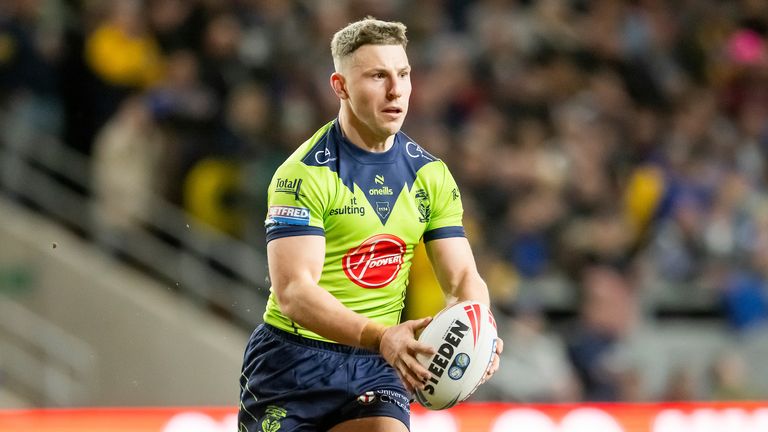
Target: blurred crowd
x=613, y=148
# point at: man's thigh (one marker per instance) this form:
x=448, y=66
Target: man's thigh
x=286, y=386
x=300, y=385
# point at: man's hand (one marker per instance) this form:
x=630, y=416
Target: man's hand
x=399, y=348
x=495, y=362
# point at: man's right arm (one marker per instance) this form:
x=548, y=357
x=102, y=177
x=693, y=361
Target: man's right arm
x=295, y=266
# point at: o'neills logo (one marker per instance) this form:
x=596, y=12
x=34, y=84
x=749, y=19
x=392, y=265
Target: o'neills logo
x=376, y=262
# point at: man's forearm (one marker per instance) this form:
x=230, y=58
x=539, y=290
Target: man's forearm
x=317, y=310
x=470, y=287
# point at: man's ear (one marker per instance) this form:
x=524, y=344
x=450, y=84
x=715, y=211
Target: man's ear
x=339, y=86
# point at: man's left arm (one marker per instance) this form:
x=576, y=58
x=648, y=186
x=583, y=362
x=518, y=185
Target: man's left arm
x=455, y=268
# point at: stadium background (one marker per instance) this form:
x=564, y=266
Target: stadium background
x=611, y=156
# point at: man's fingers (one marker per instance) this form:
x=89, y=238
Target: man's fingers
x=492, y=368
x=415, y=374
x=419, y=372
x=408, y=376
x=401, y=350
x=422, y=323
x=407, y=385
x=413, y=382
x=421, y=348
x=495, y=364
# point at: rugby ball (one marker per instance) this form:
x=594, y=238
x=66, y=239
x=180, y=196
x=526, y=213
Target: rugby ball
x=464, y=336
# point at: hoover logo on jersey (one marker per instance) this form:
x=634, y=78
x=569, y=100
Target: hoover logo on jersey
x=376, y=262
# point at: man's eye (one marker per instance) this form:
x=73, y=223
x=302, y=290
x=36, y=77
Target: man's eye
x=380, y=75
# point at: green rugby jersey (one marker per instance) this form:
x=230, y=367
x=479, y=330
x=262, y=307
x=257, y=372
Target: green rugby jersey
x=372, y=209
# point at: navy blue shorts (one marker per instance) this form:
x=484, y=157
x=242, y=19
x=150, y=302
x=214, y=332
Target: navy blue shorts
x=291, y=383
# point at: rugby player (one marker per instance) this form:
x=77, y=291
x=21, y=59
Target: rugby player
x=345, y=212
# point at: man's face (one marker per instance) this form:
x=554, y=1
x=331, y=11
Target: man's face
x=378, y=83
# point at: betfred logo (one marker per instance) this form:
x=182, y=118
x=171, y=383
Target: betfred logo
x=376, y=262
x=287, y=215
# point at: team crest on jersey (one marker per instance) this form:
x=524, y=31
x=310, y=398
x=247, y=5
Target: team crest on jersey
x=422, y=199
x=383, y=208
x=376, y=262
x=274, y=416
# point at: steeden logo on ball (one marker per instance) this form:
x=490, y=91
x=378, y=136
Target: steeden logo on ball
x=376, y=262
x=464, y=337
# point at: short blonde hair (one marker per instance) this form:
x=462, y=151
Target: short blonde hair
x=367, y=31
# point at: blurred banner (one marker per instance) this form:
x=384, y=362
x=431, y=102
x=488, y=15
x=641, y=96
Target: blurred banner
x=468, y=417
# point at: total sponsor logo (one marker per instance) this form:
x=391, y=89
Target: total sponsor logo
x=289, y=186
x=376, y=262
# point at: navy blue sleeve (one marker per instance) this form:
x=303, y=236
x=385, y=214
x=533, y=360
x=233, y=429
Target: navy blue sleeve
x=279, y=231
x=444, y=232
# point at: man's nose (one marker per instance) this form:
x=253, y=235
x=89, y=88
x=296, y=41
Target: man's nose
x=395, y=90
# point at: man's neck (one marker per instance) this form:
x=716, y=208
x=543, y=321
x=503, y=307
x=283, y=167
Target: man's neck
x=360, y=135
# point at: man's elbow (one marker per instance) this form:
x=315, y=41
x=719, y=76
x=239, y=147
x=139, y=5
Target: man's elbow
x=287, y=299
